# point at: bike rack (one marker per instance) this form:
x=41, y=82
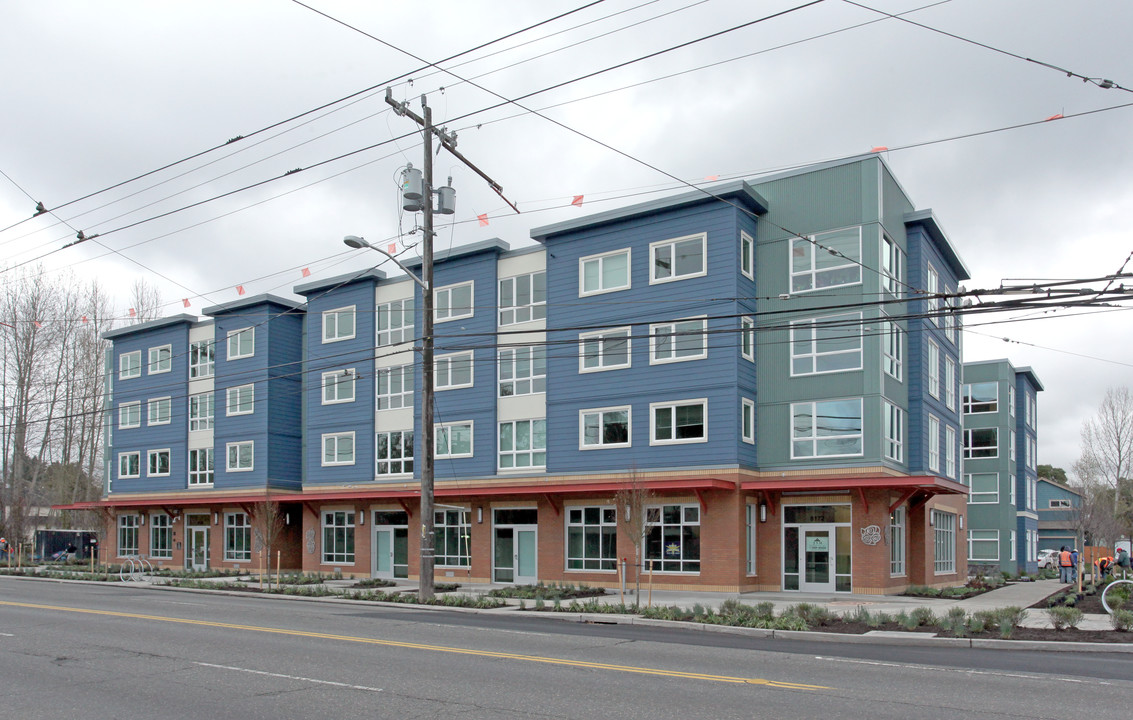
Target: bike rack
x=1110, y=587
x=134, y=568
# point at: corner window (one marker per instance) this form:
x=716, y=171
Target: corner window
x=202, y=359
x=160, y=359
x=395, y=322
x=338, y=386
x=747, y=420
x=240, y=456
x=678, y=341
x=895, y=432
x=241, y=343
x=453, y=440
x=825, y=260
x=130, y=365
x=523, y=444
x=604, y=427
x=240, y=400
x=237, y=537
x=338, y=324
x=395, y=387
x=338, y=449
x=453, y=302
x=892, y=266
x=338, y=538
x=828, y=344
x=981, y=443
x=747, y=255
x=604, y=273
x=832, y=428
x=394, y=452
x=892, y=348
x=523, y=371
x=677, y=259
x=523, y=298
x=129, y=415
x=604, y=350
x=981, y=398
x=159, y=411
x=453, y=371
x=200, y=467
x=129, y=465
x=158, y=465
x=683, y=422
x=592, y=538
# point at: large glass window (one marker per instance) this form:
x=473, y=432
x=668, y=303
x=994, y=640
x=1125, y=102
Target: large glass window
x=894, y=432
x=523, y=444
x=160, y=536
x=604, y=273
x=454, y=371
x=944, y=542
x=981, y=443
x=523, y=371
x=672, y=538
x=338, y=448
x=338, y=324
x=453, y=533
x=129, y=465
x=892, y=265
x=892, y=348
x=338, y=537
x=395, y=387
x=523, y=298
x=825, y=260
x=200, y=467
x=604, y=350
x=592, y=538
x=158, y=465
x=682, y=257
x=127, y=535
x=983, y=545
x=679, y=422
x=241, y=343
x=453, y=302
x=678, y=341
x=827, y=344
x=604, y=427
x=160, y=359
x=240, y=456
x=981, y=398
x=237, y=537
x=831, y=428
x=202, y=360
x=202, y=412
x=897, y=542
x=394, y=451
x=453, y=440
x=395, y=322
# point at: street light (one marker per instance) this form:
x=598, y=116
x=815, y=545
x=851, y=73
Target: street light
x=357, y=242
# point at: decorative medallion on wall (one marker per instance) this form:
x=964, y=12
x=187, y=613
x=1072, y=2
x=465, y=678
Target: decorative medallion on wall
x=311, y=541
x=871, y=534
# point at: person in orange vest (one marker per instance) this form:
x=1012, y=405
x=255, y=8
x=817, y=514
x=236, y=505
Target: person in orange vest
x=1065, y=565
x=1102, y=566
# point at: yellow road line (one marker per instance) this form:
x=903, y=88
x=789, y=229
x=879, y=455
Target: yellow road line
x=431, y=648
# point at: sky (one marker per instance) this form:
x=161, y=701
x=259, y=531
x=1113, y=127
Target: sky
x=95, y=94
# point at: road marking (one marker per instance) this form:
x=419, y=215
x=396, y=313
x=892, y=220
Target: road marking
x=434, y=648
x=7, y=634
x=938, y=668
x=290, y=677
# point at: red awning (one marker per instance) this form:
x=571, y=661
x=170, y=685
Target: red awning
x=931, y=483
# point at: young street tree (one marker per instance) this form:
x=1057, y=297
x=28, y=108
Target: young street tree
x=631, y=505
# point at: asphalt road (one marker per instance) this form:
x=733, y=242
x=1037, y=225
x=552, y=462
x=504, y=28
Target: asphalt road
x=91, y=651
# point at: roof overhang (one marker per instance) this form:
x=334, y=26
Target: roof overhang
x=929, y=483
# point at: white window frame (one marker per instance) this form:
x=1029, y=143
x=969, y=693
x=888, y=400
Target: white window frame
x=516, y=313
x=1012, y=536
x=852, y=323
x=202, y=412
x=892, y=266
x=532, y=452
x=130, y=365
x=601, y=413
x=934, y=443
x=1011, y=400
x=238, y=446
x=988, y=537
x=333, y=384
x=237, y=392
x=404, y=330
x=983, y=496
x=236, y=340
x=443, y=370
x=747, y=255
x=809, y=247
x=391, y=461
x=332, y=442
x=686, y=510
x=671, y=330
x=897, y=543
x=150, y=457
x=950, y=452
x=130, y=415
x=944, y=542
x=969, y=448
x=932, y=288
x=1011, y=446
x=510, y=360
x=237, y=524
x=892, y=348
x=893, y=443
x=672, y=243
x=814, y=438
x=672, y=407
x=932, y=368
x=747, y=338
x=601, y=259
x=160, y=536
x=445, y=430
x=747, y=420
x=159, y=365
x=334, y=318
x=331, y=553
x=202, y=359
x=404, y=396
x=198, y=476
x=604, y=336
x=607, y=557
x=137, y=456
x=154, y=407
x=751, y=532
x=451, y=314
x=969, y=404
x=949, y=382
x=128, y=525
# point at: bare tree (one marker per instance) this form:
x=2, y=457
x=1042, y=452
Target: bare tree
x=145, y=300
x=268, y=523
x=632, y=506
x=1107, y=443
x=1095, y=518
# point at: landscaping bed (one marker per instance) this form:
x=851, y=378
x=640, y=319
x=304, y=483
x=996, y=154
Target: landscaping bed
x=550, y=592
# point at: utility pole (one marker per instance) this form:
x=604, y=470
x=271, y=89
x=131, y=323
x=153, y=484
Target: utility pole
x=428, y=446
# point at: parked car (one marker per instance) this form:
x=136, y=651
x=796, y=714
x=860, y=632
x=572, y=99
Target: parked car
x=1048, y=559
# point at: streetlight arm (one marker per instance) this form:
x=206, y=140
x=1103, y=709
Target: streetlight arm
x=356, y=242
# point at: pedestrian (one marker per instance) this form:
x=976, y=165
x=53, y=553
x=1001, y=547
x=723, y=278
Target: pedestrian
x=1065, y=565
x=1102, y=566
x=1122, y=560
x=1074, y=565
x=4, y=546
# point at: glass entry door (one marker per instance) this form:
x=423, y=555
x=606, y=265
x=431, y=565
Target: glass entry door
x=391, y=544
x=817, y=548
x=514, y=555
x=198, y=555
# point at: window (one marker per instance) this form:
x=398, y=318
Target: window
x=202, y=412
x=678, y=341
x=394, y=452
x=338, y=386
x=747, y=338
x=395, y=387
x=592, y=538
x=453, y=440
x=129, y=465
x=603, y=273
x=892, y=348
x=1012, y=541
x=523, y=444
x=127, y=535
x=932, y=289
x=395, y=322
x=981, y=398
x=453, y=534
x=338, y=324
x=1058, y=503
x=1011, y=446
x=240, y=400
x=984, y=488
x=951, y=322
x=751, y=530
x=747, y=255
x=159, y=411
x=933, y=443
x=747, y=420
x=944, y=542
x=523, y=371
x=604, y=350
x=158, y=463
x=950, y=452
x=237, y=537
x=949, y=383
x=160, y=536
x=832, y=428
x=453, y=371
x=202, y=360
x=523, y=298
x=240, y=456
x=453, y=302
x=981, y=443
x=1032, y=412
x=894, y=432
x=892, y=267
x=129, y=415
x=130, y=365
x=160, y=360
x=604, y=427
x=1011, y=486
x=338, y=448
x=338, y=537
x=682, y=422
x=672, y=538
x=1011, y=400
x=679, y=258
x=1032, y=453
x=932, y=369
x=983, y=545
x=828, y=344
x=241, y=343
x=897, y=542
x=826, y=260
x=200, y=467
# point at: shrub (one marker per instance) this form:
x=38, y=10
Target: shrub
x=956, y=621
x=860, y=615
x=1064, y=617
x=1122, y=620
x=923, y=616
x=910, y=621
x=1012, y=617
x=810, y=614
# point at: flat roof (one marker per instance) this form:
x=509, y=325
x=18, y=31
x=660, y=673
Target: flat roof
x=150, y=325
x=313, y=286
x=931, y=224
x=489, y=245
x=241, y=303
